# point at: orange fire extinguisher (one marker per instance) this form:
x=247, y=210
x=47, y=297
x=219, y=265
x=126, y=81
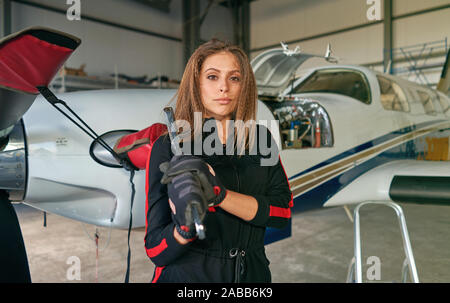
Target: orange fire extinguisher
x=317, y=134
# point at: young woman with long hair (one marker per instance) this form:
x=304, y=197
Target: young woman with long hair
x=218, y=88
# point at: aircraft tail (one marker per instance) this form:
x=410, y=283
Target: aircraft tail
x=444, y=83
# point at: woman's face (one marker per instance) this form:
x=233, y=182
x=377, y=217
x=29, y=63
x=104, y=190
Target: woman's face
x=220, y=84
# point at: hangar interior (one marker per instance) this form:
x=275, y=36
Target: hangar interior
x=146, y=44
x=414, y=34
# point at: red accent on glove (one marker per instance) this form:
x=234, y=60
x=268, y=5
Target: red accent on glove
x=216, y=190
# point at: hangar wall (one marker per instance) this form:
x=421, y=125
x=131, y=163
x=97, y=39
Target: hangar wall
x=310, y=24
x=313, y=24
x=104, y=46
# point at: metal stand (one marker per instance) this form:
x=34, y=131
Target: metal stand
x=355, y=268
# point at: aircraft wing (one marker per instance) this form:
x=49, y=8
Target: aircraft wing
x=410, y=181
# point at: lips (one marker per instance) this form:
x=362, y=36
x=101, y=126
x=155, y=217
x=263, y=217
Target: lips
x=223, y=101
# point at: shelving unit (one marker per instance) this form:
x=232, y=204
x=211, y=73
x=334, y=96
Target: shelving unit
x=70, y=83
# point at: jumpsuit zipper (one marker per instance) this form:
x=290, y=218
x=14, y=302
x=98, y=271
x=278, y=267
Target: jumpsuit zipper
x=236, y=252
x=237, y=175
x=238, y=190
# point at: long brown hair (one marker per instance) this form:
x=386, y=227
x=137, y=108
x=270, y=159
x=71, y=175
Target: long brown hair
x=189, y=98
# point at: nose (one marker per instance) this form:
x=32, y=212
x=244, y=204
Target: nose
x=13, y=164
x=223, y=86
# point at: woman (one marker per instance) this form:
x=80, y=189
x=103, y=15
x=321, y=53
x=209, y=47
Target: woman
x=218, y=82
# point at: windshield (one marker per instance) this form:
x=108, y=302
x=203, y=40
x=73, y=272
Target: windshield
x=337, y=81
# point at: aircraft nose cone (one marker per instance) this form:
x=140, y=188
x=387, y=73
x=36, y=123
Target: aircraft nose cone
x=13, y=164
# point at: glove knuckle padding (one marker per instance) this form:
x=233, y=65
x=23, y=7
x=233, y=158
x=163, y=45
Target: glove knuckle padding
x=190, y=184
x=185, y=192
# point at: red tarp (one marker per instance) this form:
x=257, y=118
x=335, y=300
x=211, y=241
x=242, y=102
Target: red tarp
x=138, y=145
x=27, y=61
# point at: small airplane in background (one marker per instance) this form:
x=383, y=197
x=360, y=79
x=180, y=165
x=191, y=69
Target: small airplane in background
x=347, y=134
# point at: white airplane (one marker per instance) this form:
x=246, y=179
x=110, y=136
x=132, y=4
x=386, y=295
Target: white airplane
x=347, y=134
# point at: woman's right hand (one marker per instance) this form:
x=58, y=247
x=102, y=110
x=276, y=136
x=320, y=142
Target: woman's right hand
x=184, y=192
x=213, y=189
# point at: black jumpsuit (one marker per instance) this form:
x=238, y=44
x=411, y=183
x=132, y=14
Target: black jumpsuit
x=233, y=250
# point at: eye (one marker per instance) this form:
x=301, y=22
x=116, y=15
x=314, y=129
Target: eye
x=235, y=78
x=211, y=77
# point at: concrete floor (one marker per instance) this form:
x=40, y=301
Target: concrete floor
x=319, y=251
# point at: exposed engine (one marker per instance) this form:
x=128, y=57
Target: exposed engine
x=303, y=123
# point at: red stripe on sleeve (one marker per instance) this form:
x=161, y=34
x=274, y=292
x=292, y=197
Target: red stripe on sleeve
x=279, y=212
x=158, y=272
x=153, y=252
x=146, y=190
x=291, y=203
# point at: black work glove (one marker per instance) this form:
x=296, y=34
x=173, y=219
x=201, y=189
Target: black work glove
x=185, y=193
x=212, y=187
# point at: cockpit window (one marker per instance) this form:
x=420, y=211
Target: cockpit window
x=392, y=96
x=303, y=124
x=338, y=81
x=444, y=103
x=427, y=102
